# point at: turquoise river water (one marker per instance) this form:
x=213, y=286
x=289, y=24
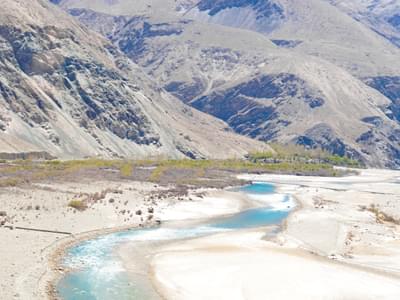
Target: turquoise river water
x=99, y=274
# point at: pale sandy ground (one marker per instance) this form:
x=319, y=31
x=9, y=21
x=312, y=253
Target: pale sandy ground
x=25, y=268
x=233, y=265
x=216, y=203
x=354, y=256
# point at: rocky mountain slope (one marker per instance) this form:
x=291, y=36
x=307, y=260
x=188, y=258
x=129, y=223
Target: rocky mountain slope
x=381, y=16
x=68, y=91
x=305, y=72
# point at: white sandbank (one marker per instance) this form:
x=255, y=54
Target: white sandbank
x=241, y=266
x=218, y=202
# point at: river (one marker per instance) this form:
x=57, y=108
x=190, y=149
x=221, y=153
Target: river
x=98, y=272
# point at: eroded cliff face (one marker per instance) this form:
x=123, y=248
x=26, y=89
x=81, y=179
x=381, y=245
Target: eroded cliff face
x=98, y=97
x=66, y=90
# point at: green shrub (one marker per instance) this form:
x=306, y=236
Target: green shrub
x=297, y=153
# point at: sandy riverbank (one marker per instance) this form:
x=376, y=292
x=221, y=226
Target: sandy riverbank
x=26, y=263
x=344, y=243
x=242, y=266
x=348, y=224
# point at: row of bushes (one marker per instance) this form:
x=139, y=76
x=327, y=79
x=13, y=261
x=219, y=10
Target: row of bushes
x=292, y=153
x=283, y=159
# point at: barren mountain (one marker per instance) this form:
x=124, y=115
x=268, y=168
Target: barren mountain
x=66, y=90
x=304, y=72
x=381, y=16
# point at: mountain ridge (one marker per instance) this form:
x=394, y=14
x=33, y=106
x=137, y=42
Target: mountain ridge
x=309, y=73
x=68, y=91
x=299, y=81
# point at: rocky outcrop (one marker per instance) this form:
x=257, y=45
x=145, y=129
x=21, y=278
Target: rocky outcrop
x=128, y=33
x=322, y=135
x=390, y=87
x=264, y=8
x=286, y=43
x=101, y=97
x=259, y=15
x=250, y=108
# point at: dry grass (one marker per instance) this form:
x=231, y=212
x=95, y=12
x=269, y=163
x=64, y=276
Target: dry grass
x=192, y=172
x=78, y=205
x=382, y=217
x=10, y=182
x=157, y=173
x=126, y=169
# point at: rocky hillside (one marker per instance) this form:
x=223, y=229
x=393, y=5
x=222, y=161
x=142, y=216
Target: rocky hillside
x=68, y=91
x=307, y=72
x=381, y=16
